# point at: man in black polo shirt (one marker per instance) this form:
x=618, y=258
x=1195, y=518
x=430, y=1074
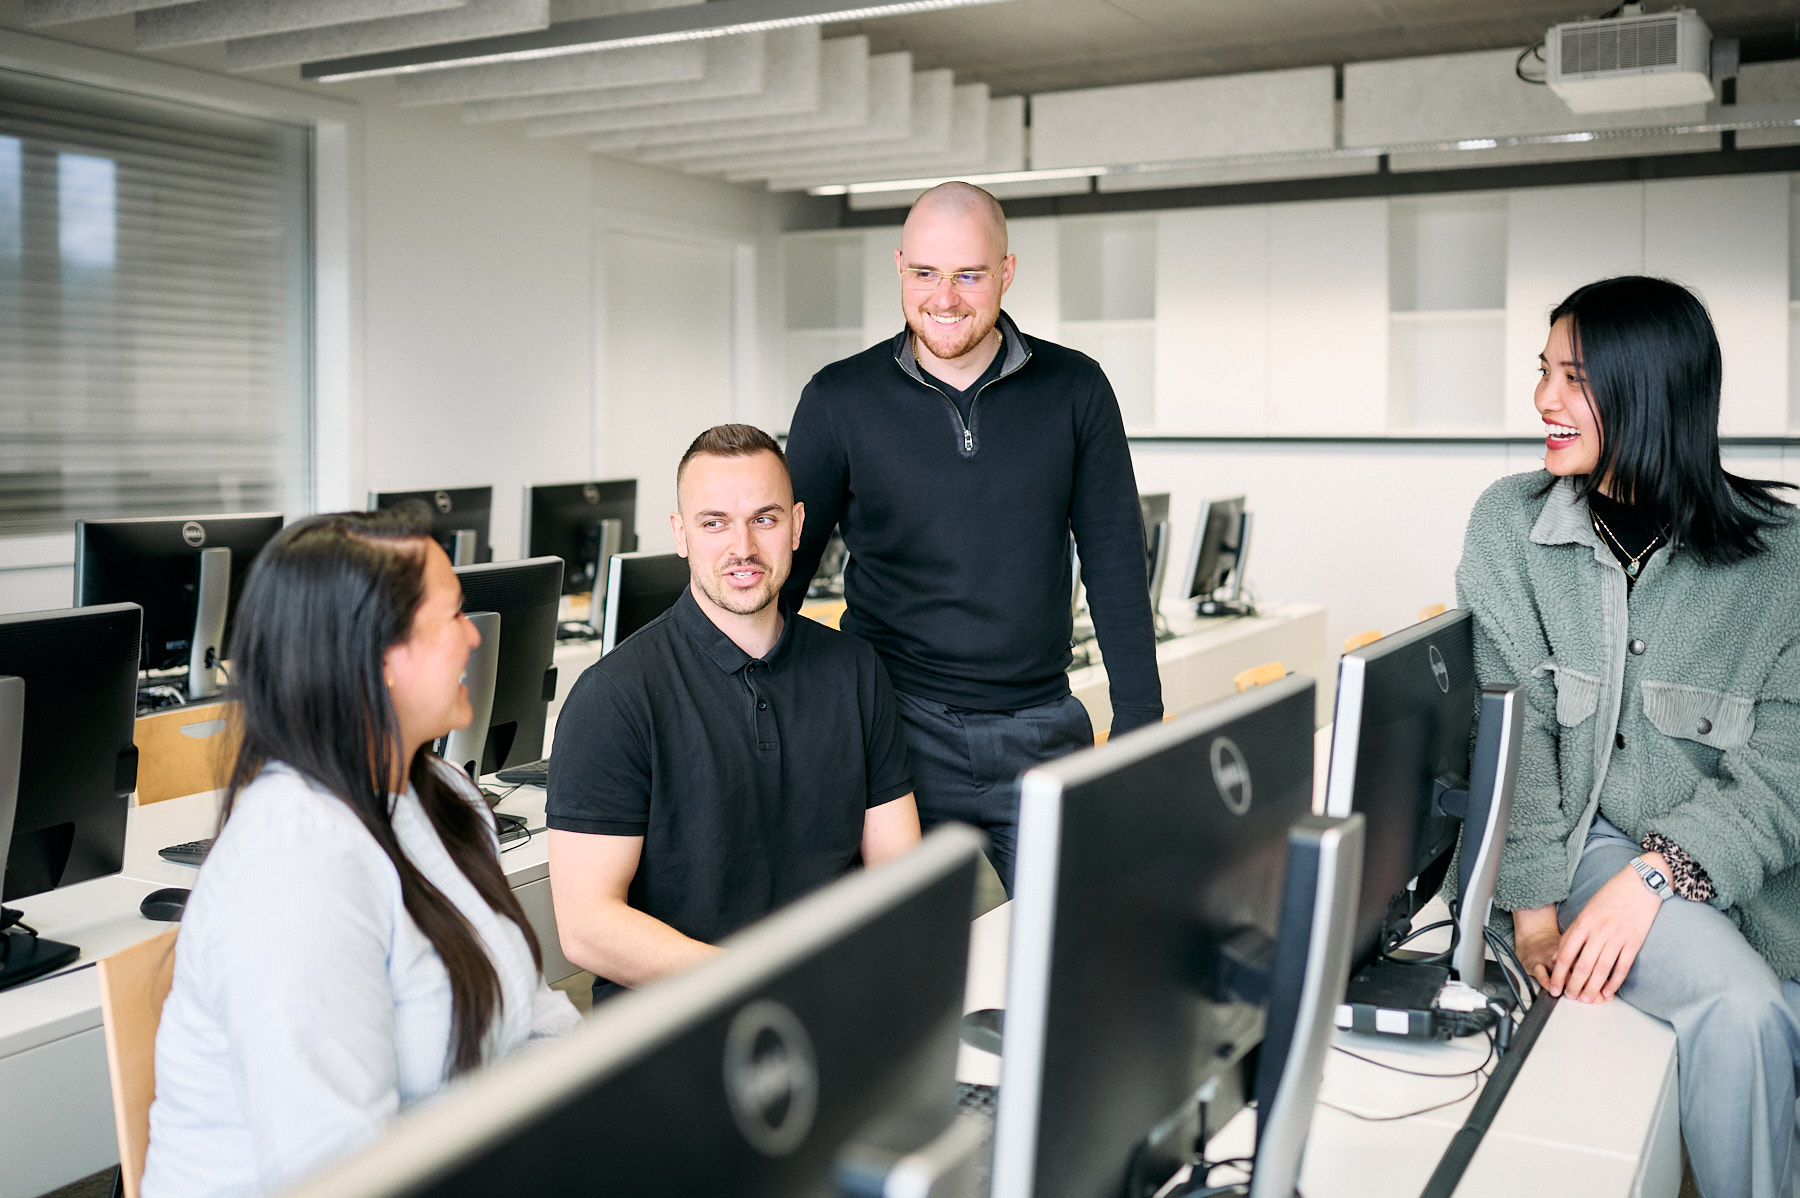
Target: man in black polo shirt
x=728, y=757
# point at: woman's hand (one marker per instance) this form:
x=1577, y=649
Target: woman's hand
x=1536, y=939
x=1598, y=949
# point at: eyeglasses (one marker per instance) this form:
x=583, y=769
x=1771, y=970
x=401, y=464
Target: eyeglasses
x=962, y=280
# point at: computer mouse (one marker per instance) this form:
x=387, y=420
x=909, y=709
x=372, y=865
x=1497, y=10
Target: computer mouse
x=165, y=905
x=984, y=1029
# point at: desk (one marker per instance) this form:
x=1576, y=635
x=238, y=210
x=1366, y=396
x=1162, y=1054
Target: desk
x=56, y=1122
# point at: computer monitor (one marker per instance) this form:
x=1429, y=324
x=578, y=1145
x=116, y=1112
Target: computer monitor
x=1155, y=510
x=641, y=587
x=801, y=1062
x=74, y=704
x=186, y=572
x=584, y=524
x=1150, y=936
x=459, y=518
x=1401, y=756
x=524, y=595
x=1221, y=549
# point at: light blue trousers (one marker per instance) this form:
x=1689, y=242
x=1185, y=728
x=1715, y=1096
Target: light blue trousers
x=1737, y=1033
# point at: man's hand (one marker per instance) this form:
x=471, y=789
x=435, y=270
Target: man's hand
x=1598, y=949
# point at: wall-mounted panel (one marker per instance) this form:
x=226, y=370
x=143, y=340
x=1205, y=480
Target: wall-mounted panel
x=1327, y=346
x=881, y=285
x=1212, y=320
x=1727, y=239
x=1032, y=300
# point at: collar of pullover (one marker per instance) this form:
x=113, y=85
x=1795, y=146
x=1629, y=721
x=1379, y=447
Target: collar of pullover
x=1016, y=351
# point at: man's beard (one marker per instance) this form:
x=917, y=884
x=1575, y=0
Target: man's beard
x=931, y=335
x=742, y=603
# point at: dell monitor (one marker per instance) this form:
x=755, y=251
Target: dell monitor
x=1401, y=756
x=68, y=695
x=459, y=518
x=523, y=595
x=814, y=1057
x=1221, y=549
x=1155, y=511
x=584, y=524
x=1153, y=947
x=642, y=587
x=186, y=572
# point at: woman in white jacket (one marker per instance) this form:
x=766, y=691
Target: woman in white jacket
x=351, y=944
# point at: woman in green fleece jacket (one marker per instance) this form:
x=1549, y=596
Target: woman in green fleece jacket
x=1648, y=603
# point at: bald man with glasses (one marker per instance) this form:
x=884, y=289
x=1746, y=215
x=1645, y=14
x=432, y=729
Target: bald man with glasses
x=957, y=459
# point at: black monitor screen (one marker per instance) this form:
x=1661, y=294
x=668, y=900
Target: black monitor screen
x=643, y=587
x=525, y=595
x=1218, y=546
x=78, y=765
x=1138, y=861
x=1405, y=708
x=155, y=563
x=564, y=519
x=452, y=510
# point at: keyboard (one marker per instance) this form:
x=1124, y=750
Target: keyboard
x=191, y=853
x=532, y=773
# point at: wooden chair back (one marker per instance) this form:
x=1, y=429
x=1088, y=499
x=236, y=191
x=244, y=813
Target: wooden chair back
x=133, y=984
x=1432, y=612
x=186, y=751
x=1261, y=675
x=1353, y=643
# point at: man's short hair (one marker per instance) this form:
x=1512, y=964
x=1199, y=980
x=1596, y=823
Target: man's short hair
x=731, y=441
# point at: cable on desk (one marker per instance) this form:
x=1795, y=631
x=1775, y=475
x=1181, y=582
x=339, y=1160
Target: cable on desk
x=1456, y=1158
x=1425, y=1110
x=1413, y=935
x=1492, y=1053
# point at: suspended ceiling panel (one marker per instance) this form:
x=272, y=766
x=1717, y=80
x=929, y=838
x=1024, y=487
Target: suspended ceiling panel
x=1261, y=113
x=61, y=12
x=735, y=66
x=791, y=84
x=993, y=142
x=850, y=93
x=477, y=18
x=926, y=113
x=933, y=116
x=678, y=62
x=1770, y=83
x=216, y=20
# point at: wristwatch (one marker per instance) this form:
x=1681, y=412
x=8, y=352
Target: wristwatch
x=1653, y=878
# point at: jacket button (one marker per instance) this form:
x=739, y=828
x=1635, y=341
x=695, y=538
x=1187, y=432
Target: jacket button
x=1618, y=740
x=1637, y=647
x=1704, y=726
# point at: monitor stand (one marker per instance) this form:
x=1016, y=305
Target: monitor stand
x=464, y=747
x=26, y=956
x=212, y=595
x=609, y=539
x=23, y=954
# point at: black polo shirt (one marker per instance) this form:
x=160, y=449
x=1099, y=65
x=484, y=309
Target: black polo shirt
x=747, y=778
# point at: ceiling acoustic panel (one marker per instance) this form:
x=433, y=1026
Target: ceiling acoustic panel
x=735, y=66
x=61, y=12
x=203, y=21
x=925, y=120
x=634, y=66
x=981, y=130
x=791, y=84
x=931, y=136
x=1215, y=117
x=477, y=18
x=852, y=85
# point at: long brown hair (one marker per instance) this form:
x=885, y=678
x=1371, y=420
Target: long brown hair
x=324, y=601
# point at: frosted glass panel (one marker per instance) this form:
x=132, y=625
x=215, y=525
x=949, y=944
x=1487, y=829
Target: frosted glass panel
x=1447, y=253
x=1108, y=268
x=1446, y=374
x=824, y=282
x=1126, y=350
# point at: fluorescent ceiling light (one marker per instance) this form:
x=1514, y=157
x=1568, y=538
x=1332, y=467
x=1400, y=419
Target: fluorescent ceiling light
x=717, y=18
x=1064, y=172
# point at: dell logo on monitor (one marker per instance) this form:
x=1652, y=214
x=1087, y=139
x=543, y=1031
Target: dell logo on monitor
x=1231, y=775
x=193, y=533
x=442, y=499
x=1439, y=670
x=771, y=1080
x=591, y=493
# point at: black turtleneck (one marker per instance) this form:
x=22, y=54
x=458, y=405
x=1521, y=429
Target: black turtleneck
x=1628, y=529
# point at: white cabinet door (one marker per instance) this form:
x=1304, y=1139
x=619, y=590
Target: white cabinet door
x=1327, y=346
x=881, y=286
x=1212, y=320
x=1727, y=239
x=1032, y=300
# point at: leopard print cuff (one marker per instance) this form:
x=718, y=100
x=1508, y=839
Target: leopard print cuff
x=1686, y=878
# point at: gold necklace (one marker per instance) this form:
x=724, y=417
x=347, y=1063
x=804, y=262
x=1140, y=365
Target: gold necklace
x=1632, y=566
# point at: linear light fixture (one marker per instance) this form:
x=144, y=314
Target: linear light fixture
x=1063, y=172
x=687, y=22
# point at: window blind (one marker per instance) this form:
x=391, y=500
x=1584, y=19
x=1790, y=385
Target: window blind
x=154, y=308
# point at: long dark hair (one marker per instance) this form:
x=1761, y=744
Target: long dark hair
x=1653, y=368
x=325, y=600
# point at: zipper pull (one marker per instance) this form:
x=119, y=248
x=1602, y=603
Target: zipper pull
x=968, y=441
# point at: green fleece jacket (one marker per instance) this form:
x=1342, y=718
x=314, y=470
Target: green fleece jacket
x=1677, y=712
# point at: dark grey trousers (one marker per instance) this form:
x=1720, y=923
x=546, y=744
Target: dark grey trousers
x=966, y=764
x=1737, y=1032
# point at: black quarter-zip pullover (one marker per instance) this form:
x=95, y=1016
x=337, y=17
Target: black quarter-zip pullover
x=958, y=526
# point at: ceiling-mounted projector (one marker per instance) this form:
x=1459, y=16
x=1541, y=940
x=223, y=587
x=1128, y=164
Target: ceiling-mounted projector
x=1634, y=60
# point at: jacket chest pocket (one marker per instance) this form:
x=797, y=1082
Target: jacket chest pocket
x=1712, y=718
x=1577, y=694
